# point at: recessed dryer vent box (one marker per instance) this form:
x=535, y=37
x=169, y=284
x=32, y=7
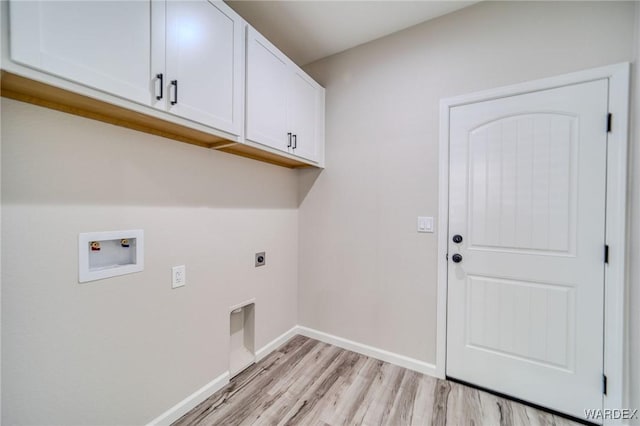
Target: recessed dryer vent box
x=242, y=337
x=109, y=254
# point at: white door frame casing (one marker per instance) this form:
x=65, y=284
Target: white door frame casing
x=616, y=218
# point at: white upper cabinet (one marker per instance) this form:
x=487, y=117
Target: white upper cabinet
x=285, y=107
x=204, y=61
x=185, y=57
x=178, y=65
x=101, y=44
x=267, y=87
x=306, y=115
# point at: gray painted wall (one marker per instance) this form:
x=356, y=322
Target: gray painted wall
x=124, y=350
x=365, y=274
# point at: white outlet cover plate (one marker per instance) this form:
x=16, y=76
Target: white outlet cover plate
x=178, y=276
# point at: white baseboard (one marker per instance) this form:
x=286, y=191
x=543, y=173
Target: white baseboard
x=275, y=343
x=382, y=355
x=190, y=402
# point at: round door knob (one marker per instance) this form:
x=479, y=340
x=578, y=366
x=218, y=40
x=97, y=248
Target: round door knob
x=457, y=258
x=457, y=239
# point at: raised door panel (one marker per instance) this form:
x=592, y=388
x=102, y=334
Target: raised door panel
x=204, y=59
x=105, y=45
x=304, y=115
x=268, y=85
x=523, y=193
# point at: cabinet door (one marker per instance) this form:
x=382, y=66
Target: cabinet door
x=204, y=59
x=304, y=115
x=105, y=45
x=267, y=91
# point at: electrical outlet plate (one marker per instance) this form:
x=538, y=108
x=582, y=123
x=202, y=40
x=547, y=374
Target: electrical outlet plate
x=178, y=276
x=261, y=259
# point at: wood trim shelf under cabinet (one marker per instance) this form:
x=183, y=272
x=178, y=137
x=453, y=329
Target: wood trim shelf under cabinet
x=24, y=89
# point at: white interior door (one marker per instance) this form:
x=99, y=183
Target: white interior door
x=527, y=196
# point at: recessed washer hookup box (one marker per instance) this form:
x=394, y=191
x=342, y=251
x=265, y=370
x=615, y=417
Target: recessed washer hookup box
x=109, y=254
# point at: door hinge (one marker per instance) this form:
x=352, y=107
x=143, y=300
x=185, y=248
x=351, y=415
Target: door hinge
x=447, y=256
x=606, y=254
x=604, y=384
x=609, y=118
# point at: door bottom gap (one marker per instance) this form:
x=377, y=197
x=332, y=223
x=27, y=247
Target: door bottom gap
x=521, y=401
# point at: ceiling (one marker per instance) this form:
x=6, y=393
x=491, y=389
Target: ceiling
x=310, y=30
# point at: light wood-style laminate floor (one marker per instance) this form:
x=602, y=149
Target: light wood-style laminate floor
x=307, y=382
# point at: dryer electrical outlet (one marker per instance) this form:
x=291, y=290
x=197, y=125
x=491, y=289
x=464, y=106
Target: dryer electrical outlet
x=261, y=259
